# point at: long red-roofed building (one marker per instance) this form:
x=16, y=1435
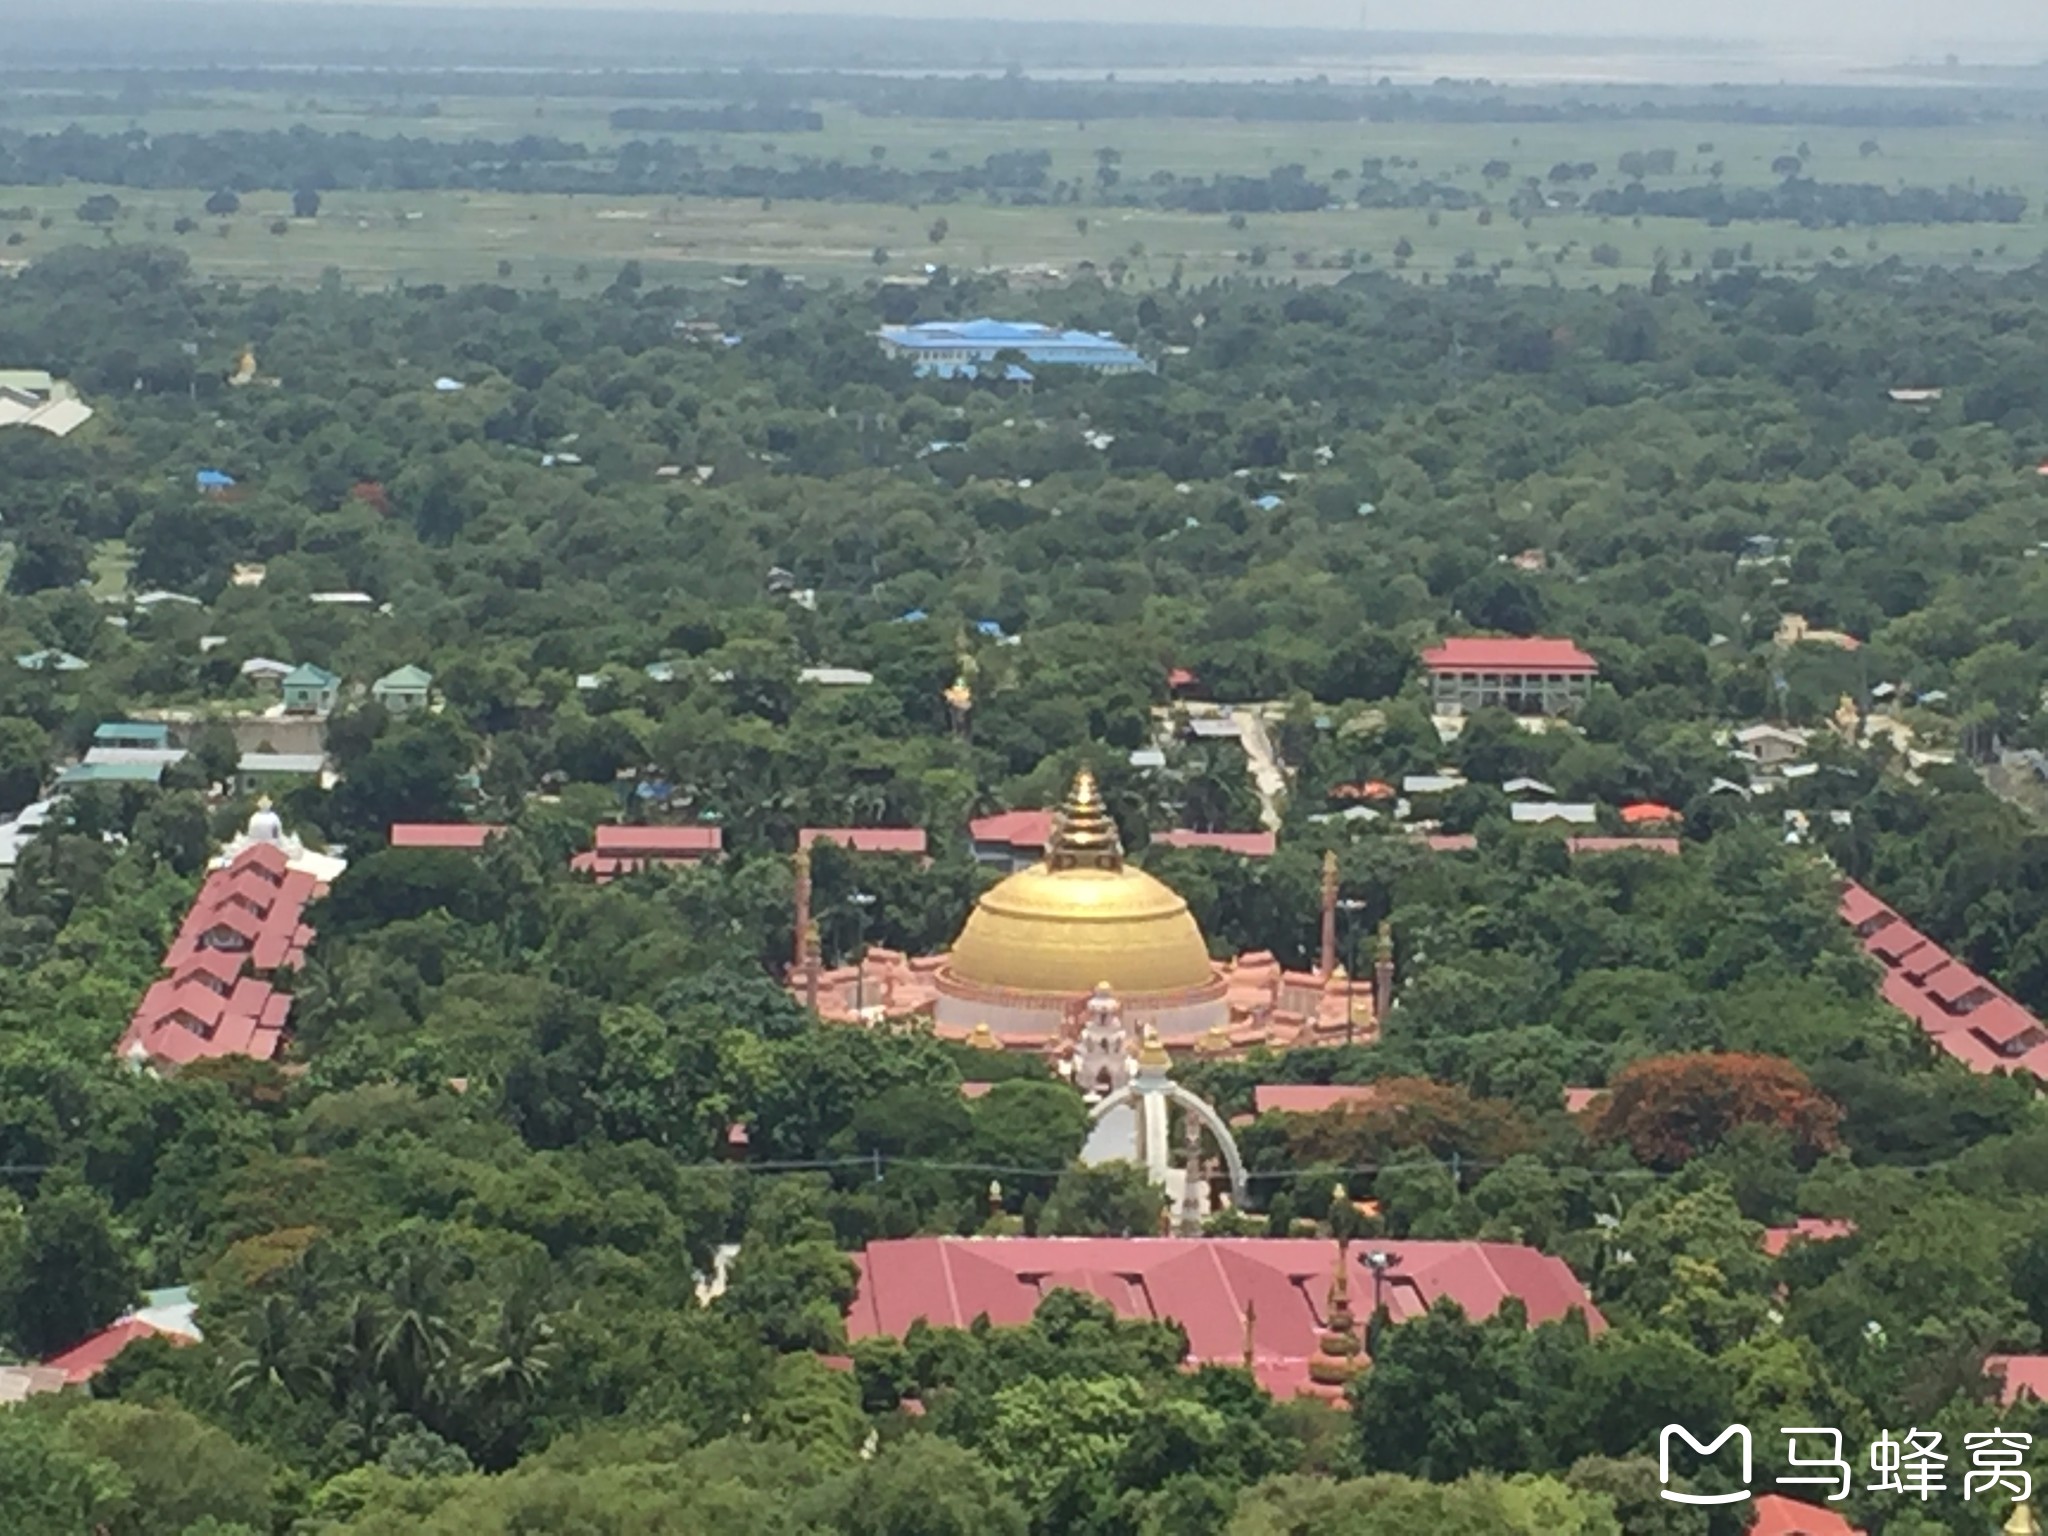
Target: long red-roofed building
x=218, y=996
x=1011, y=840
x=1249, y=845
x=905, y=840
x=617, y=850
x=1963, y=1013
x=1309, y=1098
x=468, y=835
x=1210, y=1286
x=1525, y=677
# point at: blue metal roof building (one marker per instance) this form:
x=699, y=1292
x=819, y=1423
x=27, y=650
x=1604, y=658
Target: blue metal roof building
x=945, y=348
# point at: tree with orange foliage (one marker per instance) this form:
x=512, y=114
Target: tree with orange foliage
x=1407, y=1115
x=1670, y=1109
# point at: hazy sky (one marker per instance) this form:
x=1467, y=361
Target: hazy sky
x=1857, y=26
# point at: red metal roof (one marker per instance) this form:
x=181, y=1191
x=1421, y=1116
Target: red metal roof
x=1777, y=1515
x=442, y=834
x=1647, y=813
x=1809, y=1229
x=1951, y=984
x=1578, y=1100
x=1929, y=985
x=1309, y=1098
x=1859, y=906
x=1026, y=830
x=1250, y=845
x=246, y=922
x=82, y=1362
x=867, y=839
x=1894, y=942
x=1181, y=677
x=1476, y=653
x=1450, y=842
x=657, y=842
x=2017, y=1375
x=1204, y=1284
x=1666, y=845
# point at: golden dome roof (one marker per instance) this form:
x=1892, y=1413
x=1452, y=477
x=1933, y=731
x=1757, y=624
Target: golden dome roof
x=1082, y=918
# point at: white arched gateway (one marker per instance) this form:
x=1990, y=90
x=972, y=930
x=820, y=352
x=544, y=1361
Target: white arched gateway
x=1131, y=1123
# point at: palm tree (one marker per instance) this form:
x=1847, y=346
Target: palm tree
x=355, y=1360
x=516, y=1355
x=272, y=1358
x=418, y=1341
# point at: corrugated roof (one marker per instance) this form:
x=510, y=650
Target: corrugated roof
x=281, y=762
x=1478, y=653
x=866, y=839
x=1309, y=1098
x=1027, y=830
x=657, y=842
x=442, y=834
x=1207, y=1285
x=1250, y=845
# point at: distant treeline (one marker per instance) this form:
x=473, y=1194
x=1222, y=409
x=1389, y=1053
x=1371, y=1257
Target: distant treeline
x=1817, y=204
x=1016, y=96
x=733, y=117
x=302, y=158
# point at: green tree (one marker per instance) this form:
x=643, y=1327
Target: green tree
x=76, y=1272
x=1103, y=1200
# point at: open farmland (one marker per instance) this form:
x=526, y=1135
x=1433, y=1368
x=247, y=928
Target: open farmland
x=571, y=240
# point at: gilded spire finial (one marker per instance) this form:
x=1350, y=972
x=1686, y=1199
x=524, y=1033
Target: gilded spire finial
x=1084, y=834
x=2023, y=1522
x=1336, y=1359
x=1152, y=1053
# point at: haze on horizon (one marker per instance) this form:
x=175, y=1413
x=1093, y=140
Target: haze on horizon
x=1979, y=29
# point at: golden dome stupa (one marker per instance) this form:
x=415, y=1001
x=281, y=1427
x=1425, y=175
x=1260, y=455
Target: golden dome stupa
x=1080, y=918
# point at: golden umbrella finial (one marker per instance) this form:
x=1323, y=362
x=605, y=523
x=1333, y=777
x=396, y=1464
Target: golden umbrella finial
x=1084, y=833
x=2023, y=1522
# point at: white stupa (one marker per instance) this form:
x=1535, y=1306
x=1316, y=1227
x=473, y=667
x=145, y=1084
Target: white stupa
x=267, y=827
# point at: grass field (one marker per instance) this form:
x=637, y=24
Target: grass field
x=572, y=242
x=579, y=242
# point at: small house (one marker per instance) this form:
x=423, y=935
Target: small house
x=310, y=690
x=267, y=673
x=262, y=771
x=402, y=691
x=1770, y=746
x=132, y=733
x=51, y=661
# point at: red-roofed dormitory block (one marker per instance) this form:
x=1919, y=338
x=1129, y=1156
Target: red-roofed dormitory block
x=907, y=840
x=218, y=996
x=1011, y=840
x=442, y=834
x=1962, y=1012
x=1248, y=845
x=618, y=850
x=1525, y=677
